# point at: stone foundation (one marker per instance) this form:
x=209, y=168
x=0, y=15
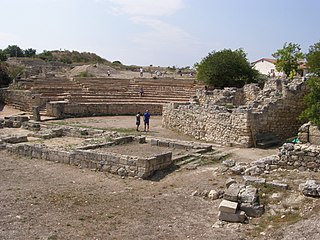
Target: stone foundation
x=120, y=164
x=60, y=109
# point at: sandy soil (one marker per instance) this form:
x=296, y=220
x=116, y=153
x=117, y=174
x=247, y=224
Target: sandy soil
x=47, y=200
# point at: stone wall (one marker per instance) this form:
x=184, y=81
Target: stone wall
x=300, y=156
x=61, y=109
x=122, y=165
x=274, y=109
x=229, y=96
x=209, y=123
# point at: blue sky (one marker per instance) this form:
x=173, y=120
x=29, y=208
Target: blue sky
x=159, y=32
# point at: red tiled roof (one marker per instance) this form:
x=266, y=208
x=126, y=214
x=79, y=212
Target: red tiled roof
x=270, y=60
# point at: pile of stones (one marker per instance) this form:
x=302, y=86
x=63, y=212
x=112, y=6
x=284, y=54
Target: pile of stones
x=13, y=121
x=239, y=202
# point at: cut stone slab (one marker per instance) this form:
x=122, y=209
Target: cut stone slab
x=253, y=180
x=228, y=206
x=283, y=186
x=232, y=192
x=239, y=216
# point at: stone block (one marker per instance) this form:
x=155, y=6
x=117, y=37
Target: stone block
x=214, y=195
x=154, y=142
x=303, y=137
x=232, y=192
x=230, y=181
x=237, y=170
x=252, y=210
x=248, y=194
x=162, y=143
x=283, y=186
x=228, y=206
x=253, y=180
x=229, y=163
x=238, y=217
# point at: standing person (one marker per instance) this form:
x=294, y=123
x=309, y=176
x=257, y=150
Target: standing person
x=141, y=72
x=146, y=118
x=138, y=116
x=141, y=91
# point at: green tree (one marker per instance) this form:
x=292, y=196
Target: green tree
x=14, y=51
x=288, y=59
x=313, y=59
x=312, y=99
x=30, y=52
x=46, y=55
x=4, y=76
x=3, y=56
x=226, y=68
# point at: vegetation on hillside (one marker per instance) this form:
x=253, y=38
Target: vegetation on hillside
x=226, y=68
x=71, y=57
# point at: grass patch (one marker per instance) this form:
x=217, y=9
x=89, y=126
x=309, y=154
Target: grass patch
x=214, y=159
x=275, y=221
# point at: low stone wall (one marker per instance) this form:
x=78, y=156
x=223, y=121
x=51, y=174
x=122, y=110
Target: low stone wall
x=300, y=156
x=62, y=109
x=122, y=165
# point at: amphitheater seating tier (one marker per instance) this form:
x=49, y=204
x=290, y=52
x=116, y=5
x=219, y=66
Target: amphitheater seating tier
x=112, y=90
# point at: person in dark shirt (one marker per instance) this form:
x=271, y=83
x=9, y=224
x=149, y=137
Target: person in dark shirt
x=138, y=116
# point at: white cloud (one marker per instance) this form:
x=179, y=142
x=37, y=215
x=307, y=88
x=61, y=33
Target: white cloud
x=156, y=8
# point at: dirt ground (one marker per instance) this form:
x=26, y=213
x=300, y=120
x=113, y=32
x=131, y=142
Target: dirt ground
x=47, y=200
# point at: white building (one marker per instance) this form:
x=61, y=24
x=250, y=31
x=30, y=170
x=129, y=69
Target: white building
x=266, y=66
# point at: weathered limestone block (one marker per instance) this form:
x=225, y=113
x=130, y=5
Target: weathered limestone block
x=252, y=210
x=154, y=142
x=239, y=216
x=276, y=184
x=214, y=195
x=122, y=172
x=254, y=170
x=248, y=194
x=230, y=181
x=310, y=188
x=314, y=135
x=253, y=180
x=15, y=139
x=36, y=113
x=232, y=192
x=303, y=137
x=228, y=206
x=229, y=163
x=237, y=169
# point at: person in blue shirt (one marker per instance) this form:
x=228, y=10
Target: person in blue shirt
x=146, y=118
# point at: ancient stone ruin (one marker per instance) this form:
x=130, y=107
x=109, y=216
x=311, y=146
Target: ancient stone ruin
x=242, y=117
x=127, y=156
